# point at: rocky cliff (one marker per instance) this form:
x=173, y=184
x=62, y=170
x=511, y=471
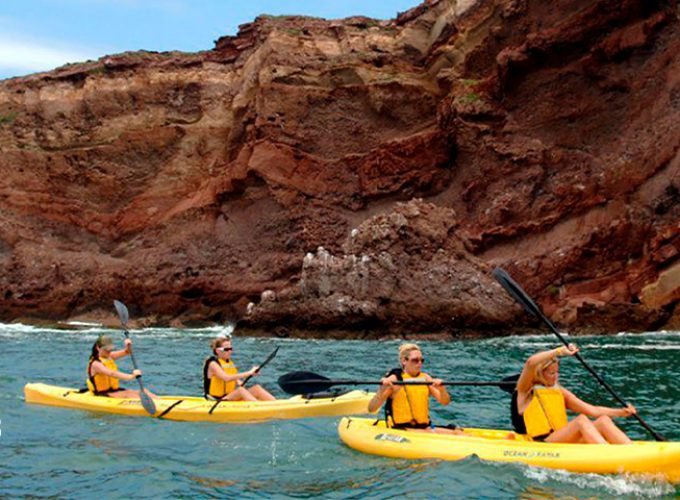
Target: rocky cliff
x=268, y=180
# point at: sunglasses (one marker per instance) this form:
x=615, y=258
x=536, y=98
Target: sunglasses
x=225, y=349
x=416, y=360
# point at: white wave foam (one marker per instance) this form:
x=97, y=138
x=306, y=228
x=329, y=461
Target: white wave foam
x=19, y=331
x=84, y=323
x=616, y=484
x=644, y=347
x=660, y=333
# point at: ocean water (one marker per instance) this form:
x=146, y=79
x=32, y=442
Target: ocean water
x=55, y=452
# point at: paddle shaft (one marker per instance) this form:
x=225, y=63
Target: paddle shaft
x=415, y=382
x=146, y=400
x=530, y=306
x=134, y=365
x=264, y=363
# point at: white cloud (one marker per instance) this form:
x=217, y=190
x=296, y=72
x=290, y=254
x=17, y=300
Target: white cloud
x=23, y=56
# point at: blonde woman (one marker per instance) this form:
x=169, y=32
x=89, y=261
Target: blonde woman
x=407, y=407
x=539, y=406
x=222, y=380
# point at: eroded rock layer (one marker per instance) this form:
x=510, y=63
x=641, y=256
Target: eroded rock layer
x=540, y=137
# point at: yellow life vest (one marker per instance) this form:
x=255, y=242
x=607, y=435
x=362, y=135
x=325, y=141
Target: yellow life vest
x=546, y=412
x=410, y=404
x=218, y=387
x=100, y=383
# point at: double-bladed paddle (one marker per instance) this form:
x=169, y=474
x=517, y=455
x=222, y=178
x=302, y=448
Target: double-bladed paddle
x=147, y=402
x=302, y=382
x=264, y=363
x=530, y=306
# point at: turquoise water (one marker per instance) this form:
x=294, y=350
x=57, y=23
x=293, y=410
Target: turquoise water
x=58, y=452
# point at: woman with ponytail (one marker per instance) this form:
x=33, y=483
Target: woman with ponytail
x=103, y=375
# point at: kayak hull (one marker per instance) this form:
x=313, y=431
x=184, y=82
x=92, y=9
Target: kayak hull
x=196, y=409
x=660, y=459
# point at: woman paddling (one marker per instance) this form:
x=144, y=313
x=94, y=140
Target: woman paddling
x=221, y=379
x=407, y=407
x=103, y=375
x=539, y=405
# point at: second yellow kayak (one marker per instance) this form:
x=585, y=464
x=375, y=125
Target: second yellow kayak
x=193, y=409
x=641, y=457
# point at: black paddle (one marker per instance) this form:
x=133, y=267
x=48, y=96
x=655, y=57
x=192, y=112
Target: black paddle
x=530, y=306
x=147, y=402
x=308, y=383
x=264, y=363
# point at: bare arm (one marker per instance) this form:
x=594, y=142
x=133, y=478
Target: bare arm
x=122, y=352
x=577, y=405
x=215, y=370
x=526, y=379
x=385, y=391
x=438, y=391
x=98, y=367
x=119, y=354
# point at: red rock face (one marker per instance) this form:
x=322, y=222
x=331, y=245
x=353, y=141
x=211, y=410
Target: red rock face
x=541, y=137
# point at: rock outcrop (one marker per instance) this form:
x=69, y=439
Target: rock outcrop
x=365, y=287
x=541, y=137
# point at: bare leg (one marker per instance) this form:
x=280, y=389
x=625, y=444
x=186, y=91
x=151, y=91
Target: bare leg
x=440, y=430
x=240, y=394
x=130, y=394
x=444, y=430
x=261, y=393
x=580, y=429
x=610, y=431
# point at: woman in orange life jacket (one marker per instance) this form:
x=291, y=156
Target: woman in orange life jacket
x=407, y=407
x=221, y=379
x=539, y=405
x=103, y=375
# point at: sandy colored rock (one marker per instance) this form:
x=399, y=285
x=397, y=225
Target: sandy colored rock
x=664, y=291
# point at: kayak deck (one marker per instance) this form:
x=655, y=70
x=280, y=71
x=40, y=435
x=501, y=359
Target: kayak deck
x=193, y=409
x=641, y=457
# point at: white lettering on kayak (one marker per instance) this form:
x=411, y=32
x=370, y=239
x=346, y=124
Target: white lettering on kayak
x=531, y=454
x=392, y=438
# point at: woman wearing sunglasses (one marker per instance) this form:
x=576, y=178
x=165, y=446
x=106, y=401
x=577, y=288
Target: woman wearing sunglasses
x=103, y=376
x=539, y=406
x=222, y=380
x=407, y=407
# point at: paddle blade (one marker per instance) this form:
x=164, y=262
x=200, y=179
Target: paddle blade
x=147, y=403
x=122, y=312
x=516, y=292
x=304, y=382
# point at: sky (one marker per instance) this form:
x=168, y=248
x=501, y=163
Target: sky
x=39, y=35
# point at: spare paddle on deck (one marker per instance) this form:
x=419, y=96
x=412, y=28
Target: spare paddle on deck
x=264, y=363
x=530, y=306
x=147, y=402
x=309, y=383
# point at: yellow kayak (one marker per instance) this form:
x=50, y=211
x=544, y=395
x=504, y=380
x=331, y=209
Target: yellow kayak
x=641, y=457
x=193, y=409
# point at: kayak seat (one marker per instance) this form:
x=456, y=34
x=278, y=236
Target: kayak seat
x=79, y=391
